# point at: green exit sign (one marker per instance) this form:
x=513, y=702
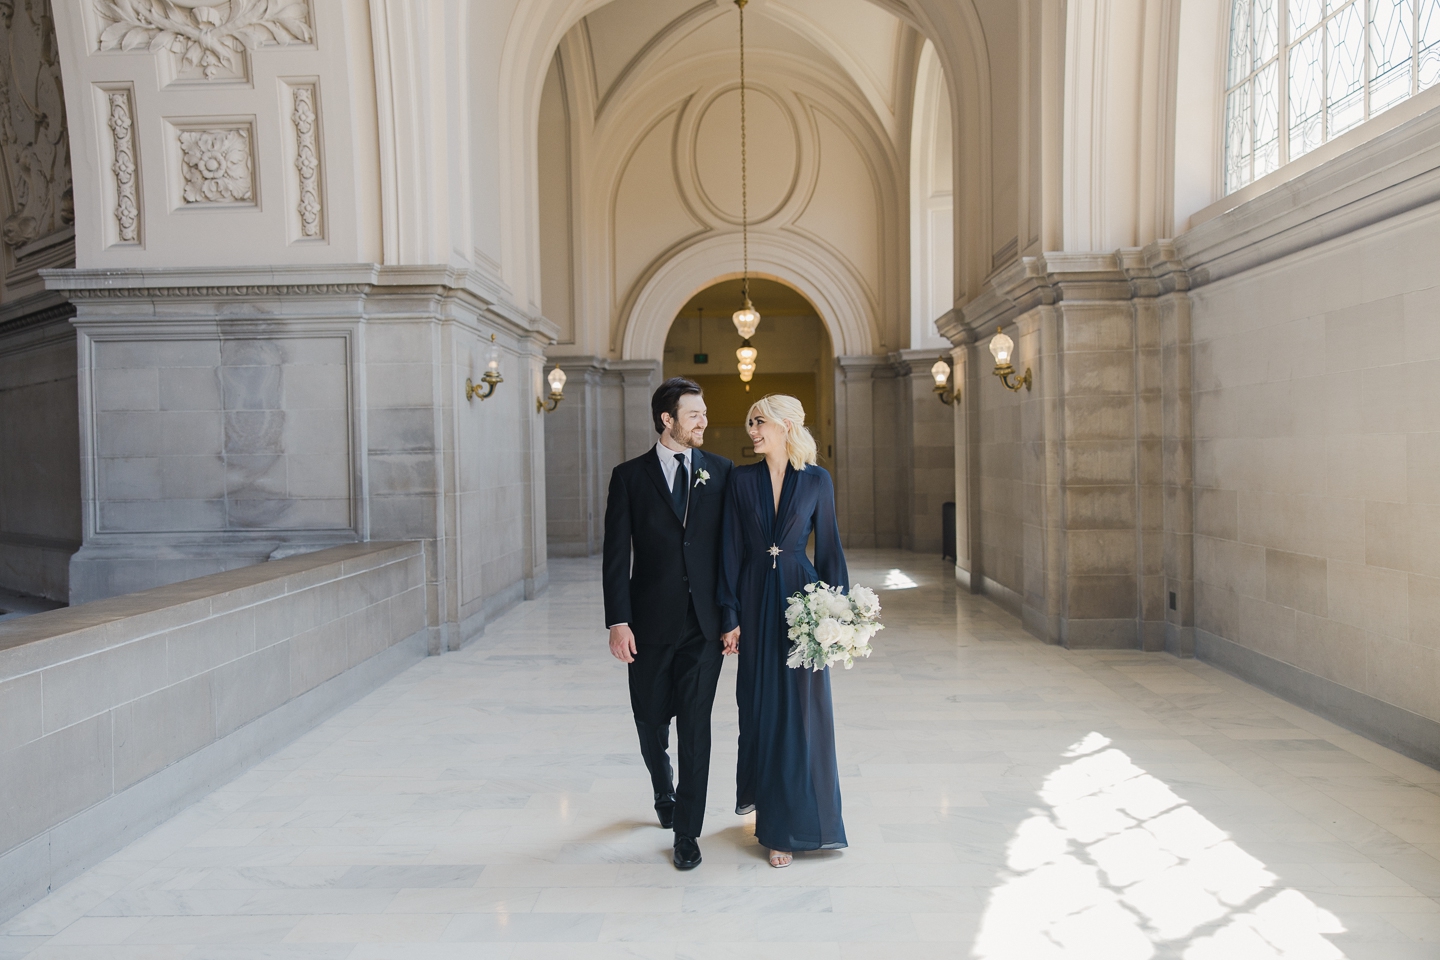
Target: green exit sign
x=702, y=358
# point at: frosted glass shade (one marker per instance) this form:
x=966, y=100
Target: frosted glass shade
x=747, y=354
x=557, y=380
x=1001, y=346
x=746, y=320
x=492, y=358
x=941, y=373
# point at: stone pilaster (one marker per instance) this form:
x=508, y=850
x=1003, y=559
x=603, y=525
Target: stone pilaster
x=1083, y=480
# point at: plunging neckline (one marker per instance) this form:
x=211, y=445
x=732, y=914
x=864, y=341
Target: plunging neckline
x=777, y=501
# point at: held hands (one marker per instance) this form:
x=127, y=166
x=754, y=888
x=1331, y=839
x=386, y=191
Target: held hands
x=731, y=641
x=622, y=643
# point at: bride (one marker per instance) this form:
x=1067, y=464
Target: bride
x=787, y=771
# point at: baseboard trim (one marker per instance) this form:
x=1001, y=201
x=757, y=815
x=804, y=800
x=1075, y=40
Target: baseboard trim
x=1404, y=732
x=68, y=849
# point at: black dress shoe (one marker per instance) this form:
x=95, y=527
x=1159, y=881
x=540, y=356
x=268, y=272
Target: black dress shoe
x=687, y=853
x=665, y=810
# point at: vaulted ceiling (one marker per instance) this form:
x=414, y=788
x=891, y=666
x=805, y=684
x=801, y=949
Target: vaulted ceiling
x=852, y=40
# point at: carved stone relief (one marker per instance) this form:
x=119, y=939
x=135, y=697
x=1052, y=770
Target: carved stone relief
x=208, y=39
x=33, y=139
x=307, y=159
x=216, y=166
x=127, y=204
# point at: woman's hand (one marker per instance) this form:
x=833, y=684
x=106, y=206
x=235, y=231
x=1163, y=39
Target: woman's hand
x=731, y=641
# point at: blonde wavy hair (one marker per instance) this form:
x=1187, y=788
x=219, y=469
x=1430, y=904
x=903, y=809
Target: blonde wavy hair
x=799, y=444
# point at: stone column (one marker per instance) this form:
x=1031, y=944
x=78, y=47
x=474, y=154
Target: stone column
x=928, y=462
x=855, y=425
x=639, y=380
x=1096, y=512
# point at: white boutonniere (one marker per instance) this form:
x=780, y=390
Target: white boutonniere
x=701, y=477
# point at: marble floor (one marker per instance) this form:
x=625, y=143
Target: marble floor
x=1005, y=800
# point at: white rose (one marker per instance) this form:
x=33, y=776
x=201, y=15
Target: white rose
x=865, y=599
x=827, y=631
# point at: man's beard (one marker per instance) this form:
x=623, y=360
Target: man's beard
x=686, y=441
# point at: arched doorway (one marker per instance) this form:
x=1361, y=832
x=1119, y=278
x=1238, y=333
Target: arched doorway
x=796, y=358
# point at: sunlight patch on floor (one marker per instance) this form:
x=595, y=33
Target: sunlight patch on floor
x=1117, y=866
x=898, y=580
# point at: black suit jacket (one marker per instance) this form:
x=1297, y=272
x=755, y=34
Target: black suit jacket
x=675, y=562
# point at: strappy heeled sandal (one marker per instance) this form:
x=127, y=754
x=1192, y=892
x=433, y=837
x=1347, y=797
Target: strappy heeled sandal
x=778, y=859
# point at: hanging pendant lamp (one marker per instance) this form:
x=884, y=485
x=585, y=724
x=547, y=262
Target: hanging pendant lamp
x=747, y=318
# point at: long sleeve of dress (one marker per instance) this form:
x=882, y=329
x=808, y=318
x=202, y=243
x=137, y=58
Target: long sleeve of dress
x=732, y=545
x=829, y=556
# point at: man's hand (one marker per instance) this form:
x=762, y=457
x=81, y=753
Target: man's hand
x=622, y=643
x=731, y=641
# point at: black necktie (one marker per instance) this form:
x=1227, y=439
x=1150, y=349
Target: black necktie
x=681, y=487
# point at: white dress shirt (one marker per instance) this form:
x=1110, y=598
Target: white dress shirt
x=668, y=464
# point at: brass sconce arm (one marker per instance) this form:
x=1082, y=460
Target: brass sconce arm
x=549, y=404
x=946, y=397
x=1005, y=371
x=488, y=382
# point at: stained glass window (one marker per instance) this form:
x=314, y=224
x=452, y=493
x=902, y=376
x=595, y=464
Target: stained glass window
x=1303, y=71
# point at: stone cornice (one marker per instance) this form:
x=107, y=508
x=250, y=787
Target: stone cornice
x=372, y=282
x=1395, y=172
x=50, y=312
x=1128, y=274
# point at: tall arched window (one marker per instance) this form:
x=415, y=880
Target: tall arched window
x=1304, y=71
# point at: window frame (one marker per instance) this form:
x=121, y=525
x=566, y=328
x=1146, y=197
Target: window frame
x=1283, y=52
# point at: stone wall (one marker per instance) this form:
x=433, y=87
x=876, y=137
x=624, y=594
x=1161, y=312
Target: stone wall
x=39, y=457
x=229, y=416
x=1317, y=466
x=120, y=712
x=1231, y=443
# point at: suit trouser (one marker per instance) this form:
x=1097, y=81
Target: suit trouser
x=677, y=680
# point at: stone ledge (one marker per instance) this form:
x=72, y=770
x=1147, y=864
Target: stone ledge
x=103, y=703
x=49, y=638
x=32, y=870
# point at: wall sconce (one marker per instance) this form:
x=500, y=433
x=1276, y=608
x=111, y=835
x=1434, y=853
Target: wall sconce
x=490, y=378
x=941, y=373
x=557, y=391
x=1002, y=347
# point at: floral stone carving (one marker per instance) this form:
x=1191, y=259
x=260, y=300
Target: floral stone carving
x=33, y=141
x=307, y=161
x=127, y=208
x=207, y=35
x=216, y=166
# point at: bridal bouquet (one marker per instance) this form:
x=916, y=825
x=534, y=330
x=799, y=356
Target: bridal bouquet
x=827, y=626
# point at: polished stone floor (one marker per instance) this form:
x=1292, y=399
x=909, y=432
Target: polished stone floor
x=1004, y=800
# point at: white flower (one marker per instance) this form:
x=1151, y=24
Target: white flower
x=795, y=611
x=702, y=476
x=865, y=600
x=828, y=631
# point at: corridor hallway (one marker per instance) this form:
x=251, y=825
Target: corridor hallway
x=1003, y=798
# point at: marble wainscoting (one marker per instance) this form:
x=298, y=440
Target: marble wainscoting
x=1004, y=799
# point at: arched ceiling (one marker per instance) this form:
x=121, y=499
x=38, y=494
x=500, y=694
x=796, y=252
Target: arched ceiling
x=629, y=39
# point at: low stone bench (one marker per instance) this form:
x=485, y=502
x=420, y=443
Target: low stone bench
x=116, y=714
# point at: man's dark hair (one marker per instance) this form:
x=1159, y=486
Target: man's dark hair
x=667, y=399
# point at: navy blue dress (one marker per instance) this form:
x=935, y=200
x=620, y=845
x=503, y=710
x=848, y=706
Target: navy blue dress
x=787, y=772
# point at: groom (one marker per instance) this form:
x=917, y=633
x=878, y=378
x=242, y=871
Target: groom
x=664, y=509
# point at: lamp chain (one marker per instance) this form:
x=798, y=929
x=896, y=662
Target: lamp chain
x=744, y=185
